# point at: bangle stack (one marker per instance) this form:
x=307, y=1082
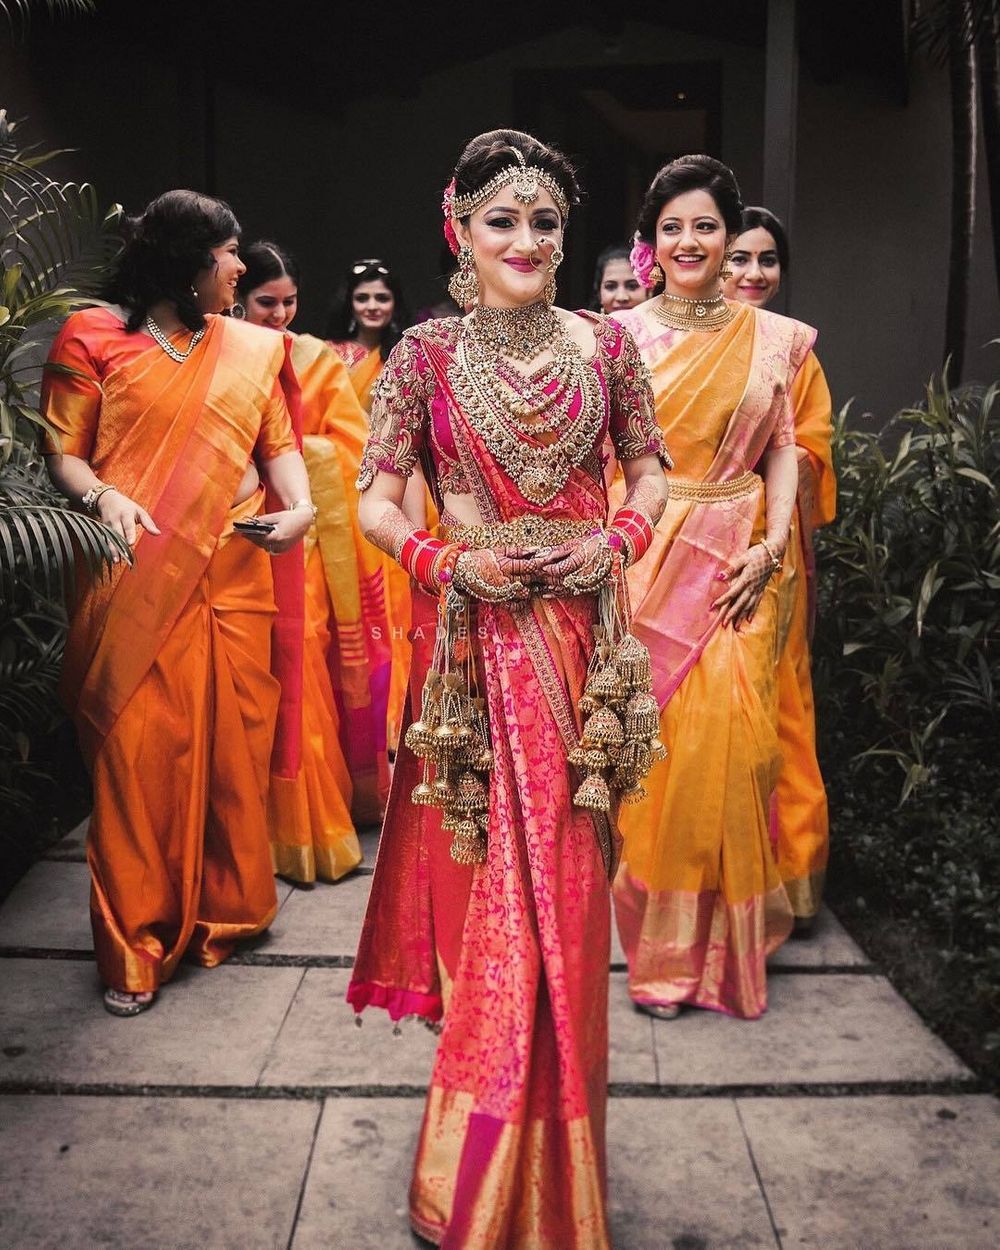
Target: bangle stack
x=633, y=532
x=91, y=497
x=428, y=560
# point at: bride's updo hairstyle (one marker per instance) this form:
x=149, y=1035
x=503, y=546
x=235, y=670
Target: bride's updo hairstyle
x=489, y=154
x=691, y=173
x=166, y=246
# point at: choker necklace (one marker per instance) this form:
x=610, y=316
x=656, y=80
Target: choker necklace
x=693, y=314
x=174, y=352
x=518, y=333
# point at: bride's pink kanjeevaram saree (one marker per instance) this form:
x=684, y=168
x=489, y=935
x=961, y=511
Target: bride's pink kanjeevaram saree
x=515, y=951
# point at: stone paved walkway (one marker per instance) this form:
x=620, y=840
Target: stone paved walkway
x=246, y=1112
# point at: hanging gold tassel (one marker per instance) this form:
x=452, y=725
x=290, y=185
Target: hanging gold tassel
x=452, y=737
x=621, y=718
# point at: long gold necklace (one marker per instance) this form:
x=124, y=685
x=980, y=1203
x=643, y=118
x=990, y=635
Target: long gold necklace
x=509, y=409
x=693, y=314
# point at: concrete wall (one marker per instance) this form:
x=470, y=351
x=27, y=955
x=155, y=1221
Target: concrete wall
x=870, y=252
x=871, y=246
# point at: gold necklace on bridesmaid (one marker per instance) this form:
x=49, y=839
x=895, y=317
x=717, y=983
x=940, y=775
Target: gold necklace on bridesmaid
x=693, y=314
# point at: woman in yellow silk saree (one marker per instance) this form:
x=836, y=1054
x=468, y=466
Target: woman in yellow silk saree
x=799, y=818
x=699, y=899
x=510, y=944
x=166, y=416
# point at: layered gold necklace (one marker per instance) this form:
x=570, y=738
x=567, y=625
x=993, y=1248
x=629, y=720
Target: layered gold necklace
x=693, y=314
x=510, y=409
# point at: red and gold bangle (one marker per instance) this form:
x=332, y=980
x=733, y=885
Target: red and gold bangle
x=635, y=532
x=417, y=555
x=444, y=564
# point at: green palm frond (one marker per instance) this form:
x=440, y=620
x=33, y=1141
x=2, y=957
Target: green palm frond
x=41, y=546
x=18, y=12
x=28, y=679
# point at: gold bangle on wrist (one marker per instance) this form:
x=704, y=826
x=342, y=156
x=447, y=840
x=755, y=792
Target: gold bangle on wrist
x=91, y=497
x=305, y=503
x=776, y=560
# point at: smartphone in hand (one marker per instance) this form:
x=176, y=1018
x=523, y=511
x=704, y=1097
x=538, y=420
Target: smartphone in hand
x=253, y=525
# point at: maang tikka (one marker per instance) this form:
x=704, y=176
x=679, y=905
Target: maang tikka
x=463, y=285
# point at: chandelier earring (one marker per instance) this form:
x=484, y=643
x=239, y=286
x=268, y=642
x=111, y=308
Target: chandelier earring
x=463, y=285
x=352, y=327
x=238, y=312
x=656, y=275
x=726, y=271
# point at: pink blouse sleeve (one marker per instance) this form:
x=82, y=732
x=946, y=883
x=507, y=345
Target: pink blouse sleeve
x=632, y=420
x=400, y=401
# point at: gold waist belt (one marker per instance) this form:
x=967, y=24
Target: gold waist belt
x=710, y=492
x=522, y=531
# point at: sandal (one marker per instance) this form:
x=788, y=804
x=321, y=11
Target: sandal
x=122, y=1003
x=660, y=1011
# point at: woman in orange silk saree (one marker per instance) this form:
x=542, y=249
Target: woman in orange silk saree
x=799, y=818
x=512, y=951
x=168, y=664
x=699, y=898
x=343, y=773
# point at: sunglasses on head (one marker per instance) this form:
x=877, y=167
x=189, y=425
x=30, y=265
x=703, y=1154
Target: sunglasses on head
x=360, y=266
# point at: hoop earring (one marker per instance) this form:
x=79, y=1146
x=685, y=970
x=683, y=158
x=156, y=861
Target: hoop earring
x=656, y=275
x=238, y=312
x=725, y=272
x=463, y=285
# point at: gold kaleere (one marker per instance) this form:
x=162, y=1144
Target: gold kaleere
x=452, y=737
x=621, y=719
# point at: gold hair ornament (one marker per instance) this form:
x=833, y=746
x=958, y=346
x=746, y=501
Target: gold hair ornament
x=526, y=182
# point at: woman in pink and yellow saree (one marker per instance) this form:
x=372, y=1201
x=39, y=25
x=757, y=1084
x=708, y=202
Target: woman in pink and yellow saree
x=506, y=934
x=699, y=899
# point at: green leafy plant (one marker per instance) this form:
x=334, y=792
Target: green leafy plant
x=907, y=675
x=55, y=243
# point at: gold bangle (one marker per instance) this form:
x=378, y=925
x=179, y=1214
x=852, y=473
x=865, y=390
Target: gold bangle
x=776, y=560
x=305, y=503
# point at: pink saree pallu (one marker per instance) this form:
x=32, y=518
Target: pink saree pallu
x=698, y=899
x=513, y=952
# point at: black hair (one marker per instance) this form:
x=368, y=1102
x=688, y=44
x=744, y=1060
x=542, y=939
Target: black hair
x=754, y=217
x=265, y=261
x=165, y=248
x=487, y=154
x=617, y=251
x=691, y=173
x=339, y=324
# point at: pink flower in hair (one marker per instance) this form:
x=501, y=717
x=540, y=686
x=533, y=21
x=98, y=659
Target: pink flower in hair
x=449, y=225
x=642, y=258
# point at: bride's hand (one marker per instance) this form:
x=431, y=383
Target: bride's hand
x=480, y=574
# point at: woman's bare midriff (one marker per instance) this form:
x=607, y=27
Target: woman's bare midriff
x=251, y=480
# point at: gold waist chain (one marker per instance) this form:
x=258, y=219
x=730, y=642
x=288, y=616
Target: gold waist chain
x=713, y=492
x=523, y=531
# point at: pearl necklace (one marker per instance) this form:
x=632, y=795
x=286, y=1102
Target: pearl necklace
x=174, y=353
x=693, y=314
